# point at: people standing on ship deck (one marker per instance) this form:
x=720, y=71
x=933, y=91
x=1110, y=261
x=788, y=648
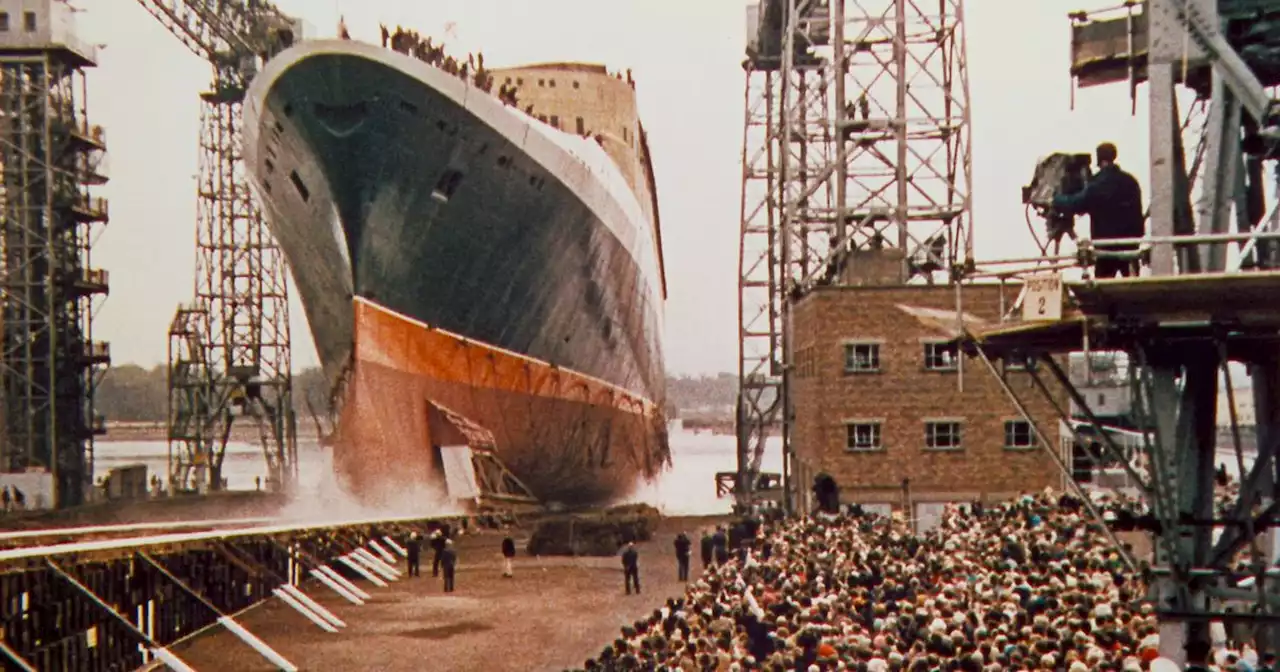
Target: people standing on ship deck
x=448, y=563
x=508, y=554
x=386, y=35
x=683, y=547
x=437, y=549
x=631, y=568
x=19, y=499
x=708, y=547
x=6, y=498
x=413, y=554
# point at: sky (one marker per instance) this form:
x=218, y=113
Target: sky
x=686, y=58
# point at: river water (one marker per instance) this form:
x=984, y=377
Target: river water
x=688, y=488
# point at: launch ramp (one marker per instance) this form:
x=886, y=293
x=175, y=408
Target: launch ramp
x=470, y=464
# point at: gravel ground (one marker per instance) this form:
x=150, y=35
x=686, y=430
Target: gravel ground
x=555, y=613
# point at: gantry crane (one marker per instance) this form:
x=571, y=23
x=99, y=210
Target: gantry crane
x=229, y=352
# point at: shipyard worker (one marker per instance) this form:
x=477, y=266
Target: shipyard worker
x=1113, y=201
x=631, y=568
x=708, y=547
x=6, y=499
x=448, y=564
x=437, y=550
x=721, y=543
x=386, y=34
x=413, y=550
x=683, y=546
x=508, y=554
x=19, y=499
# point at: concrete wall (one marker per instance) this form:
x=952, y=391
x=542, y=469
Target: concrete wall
x=902, y=396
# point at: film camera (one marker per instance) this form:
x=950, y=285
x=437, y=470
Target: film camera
x=1057, y=174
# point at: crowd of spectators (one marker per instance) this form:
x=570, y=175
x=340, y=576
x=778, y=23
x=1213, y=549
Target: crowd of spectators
x=1032, y=584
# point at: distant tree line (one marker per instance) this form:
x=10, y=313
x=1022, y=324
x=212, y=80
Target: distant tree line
x=131, y=393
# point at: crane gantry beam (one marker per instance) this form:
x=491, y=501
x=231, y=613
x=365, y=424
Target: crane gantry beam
x=229, y=352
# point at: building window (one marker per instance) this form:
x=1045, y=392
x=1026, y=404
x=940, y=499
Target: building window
x=519, y=81
x=542, y=82
x=4, y=22
x=1018, y=434
x=863, y=436
x=551, y=83
x=576, y=85
x=940, y=356
x=944, y=435
x=555, y=121
x=861, y=357
x=582, y=126
x=29, y=21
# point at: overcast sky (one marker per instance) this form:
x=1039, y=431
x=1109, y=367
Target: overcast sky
x=686, y=57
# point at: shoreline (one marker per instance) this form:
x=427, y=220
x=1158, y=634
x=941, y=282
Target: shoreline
x=158, y=432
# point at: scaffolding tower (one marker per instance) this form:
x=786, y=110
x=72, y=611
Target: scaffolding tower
x=855, y=144
x=49, y=292
x=229, y=352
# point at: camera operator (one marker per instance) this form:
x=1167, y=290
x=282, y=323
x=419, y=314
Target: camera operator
x=1113, y=201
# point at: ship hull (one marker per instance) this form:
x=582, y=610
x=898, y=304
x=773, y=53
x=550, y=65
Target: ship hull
x=414, y=209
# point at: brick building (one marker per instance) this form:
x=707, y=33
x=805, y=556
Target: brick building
x=880, y=397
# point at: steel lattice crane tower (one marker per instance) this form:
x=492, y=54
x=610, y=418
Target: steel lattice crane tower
x=229, y=352
x=50, y=157
x=856, y=139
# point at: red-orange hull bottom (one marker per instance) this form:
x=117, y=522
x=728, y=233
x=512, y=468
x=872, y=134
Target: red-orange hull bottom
x=569, y=438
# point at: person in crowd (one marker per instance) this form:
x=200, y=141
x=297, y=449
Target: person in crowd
x=631, y=568
x=707, y=548
x=1029, y=584
x=413, y=554
x=448, y=564
x=683, y=548
x=508, y=555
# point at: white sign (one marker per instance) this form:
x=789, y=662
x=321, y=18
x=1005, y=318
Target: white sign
x=1042, y=300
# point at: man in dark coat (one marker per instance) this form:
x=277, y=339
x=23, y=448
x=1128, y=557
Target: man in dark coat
x=448, y=563
x=683, y=547
x=721, y=543
x=437, y=549
x=508, y=554
x=1113, y=201
x=631, y=568
x=413, y=550
x=708, y=546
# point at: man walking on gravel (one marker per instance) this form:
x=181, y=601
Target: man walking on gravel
x=683, y=547
x=413, y=552
x=631, y=568
x=448, y=563
x=437, y=549
x=508, y=554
